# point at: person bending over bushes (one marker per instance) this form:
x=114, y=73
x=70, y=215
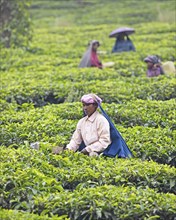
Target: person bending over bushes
x=154, y=67
x=90, y=57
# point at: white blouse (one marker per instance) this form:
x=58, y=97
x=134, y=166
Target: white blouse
x=94, y=131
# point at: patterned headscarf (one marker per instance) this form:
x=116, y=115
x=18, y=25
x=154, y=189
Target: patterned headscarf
x=91, y=98
x=152, y=59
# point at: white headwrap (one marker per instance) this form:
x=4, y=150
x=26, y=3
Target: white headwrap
x=91, y=98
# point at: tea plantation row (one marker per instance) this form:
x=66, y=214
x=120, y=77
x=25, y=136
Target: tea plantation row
x=42, y=92
x=147, y=126
x=80, y=187
x=41, y=87
x=68, y=173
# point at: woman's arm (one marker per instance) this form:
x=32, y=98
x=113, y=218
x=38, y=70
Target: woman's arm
x=76, y=139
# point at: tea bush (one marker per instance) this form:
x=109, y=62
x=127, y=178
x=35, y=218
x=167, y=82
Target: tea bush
x=31, y=181
x=45, y=172
x=144, y=113
x=16, y=215
x=44, y=91
x=41, y=87
x=56, y=123
x=109, y=202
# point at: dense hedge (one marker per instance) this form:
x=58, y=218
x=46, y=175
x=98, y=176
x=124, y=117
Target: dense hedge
x=65, y=184
x=109, y=202
x=105, y=202
x=40, y=185
x=41, y=172
x=20, y=215
x=148, y=143
x=44, y=91
x=143, y=113
x=55, y=124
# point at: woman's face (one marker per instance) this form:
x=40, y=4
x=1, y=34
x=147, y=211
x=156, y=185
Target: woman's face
x=121, y=37
x=89, y=109
x=95, y=46
x=149, y=65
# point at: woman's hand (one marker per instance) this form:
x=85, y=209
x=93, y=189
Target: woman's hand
x=84, y=151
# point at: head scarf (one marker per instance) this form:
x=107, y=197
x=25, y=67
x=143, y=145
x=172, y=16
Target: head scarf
x=86, y=59
x=91, y=98
x=152, y=59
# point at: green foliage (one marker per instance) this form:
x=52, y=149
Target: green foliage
x=149, y=128
x=41, y=88
x=15, y=23
x=109, y=202
x=19, y=215
x=44, y=183
x=82, y=12
x=145, y=113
